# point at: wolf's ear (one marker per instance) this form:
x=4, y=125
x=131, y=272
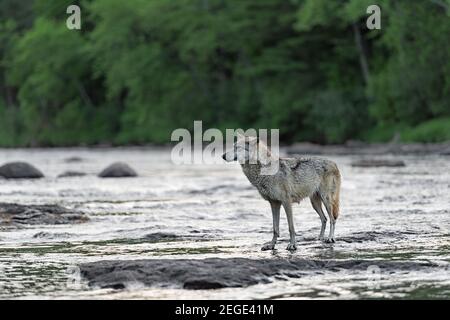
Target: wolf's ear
x=240, y=136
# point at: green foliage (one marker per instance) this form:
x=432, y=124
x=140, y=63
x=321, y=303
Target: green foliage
x=430, y=131
x=9, y=125
x=414, y=83
x=139, y=69
x=384, y=132
x=337, y=117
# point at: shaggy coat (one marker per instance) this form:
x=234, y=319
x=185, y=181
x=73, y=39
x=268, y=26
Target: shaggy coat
x=296, y=179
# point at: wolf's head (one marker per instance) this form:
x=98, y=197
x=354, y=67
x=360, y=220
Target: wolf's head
x=248, y=149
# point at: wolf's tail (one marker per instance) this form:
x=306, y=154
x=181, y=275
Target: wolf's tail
x=335, y=195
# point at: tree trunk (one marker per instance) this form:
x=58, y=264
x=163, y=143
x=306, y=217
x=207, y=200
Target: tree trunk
x=362, y=52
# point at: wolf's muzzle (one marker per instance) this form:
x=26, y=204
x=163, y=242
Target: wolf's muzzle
x=224, y=157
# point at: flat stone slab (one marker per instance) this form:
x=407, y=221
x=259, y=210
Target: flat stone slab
x=214, y=273
x=11, y=213
x=375, y=163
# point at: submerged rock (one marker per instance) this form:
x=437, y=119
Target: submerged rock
x=48, y=235
x=161, y=236
x=74, y=159
x=166, y=237
x=20, y=170
x=118, y=170
x=214, y=273
x=11, y=213
x=375, y=163
x=70, y=174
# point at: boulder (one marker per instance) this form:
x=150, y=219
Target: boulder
x=11, y=213
x=214, y=273
x=20, y=170
x=118, y=170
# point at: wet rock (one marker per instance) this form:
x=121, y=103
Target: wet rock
x=161, y=236
x=74, y=159
x=213, y=273
x=11, y=213
x=202, y=284
x=118, y=170
x=379, y=236
x=20, y=170
x=48, y=235
x=375, y=163
x=71, y=174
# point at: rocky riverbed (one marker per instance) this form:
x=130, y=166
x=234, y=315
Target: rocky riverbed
x=168, y=231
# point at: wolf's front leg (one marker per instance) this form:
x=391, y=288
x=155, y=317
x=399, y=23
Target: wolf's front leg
x=275, y=205
x=292, y=243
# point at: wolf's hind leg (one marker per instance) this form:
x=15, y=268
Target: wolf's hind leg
x=327, y=202
x=317, y=205
x=275, y=205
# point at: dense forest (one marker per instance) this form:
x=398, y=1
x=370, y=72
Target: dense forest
x=139, y=69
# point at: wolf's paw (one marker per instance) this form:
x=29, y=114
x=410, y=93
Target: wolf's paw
x=330, y=240
x=268, y=246
x=291, y=247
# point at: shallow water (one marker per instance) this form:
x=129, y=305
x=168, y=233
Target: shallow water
x=398, y=214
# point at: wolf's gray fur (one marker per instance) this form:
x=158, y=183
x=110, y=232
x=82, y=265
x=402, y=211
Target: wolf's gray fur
x=296, y=179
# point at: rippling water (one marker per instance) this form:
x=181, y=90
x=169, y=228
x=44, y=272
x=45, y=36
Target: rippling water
x=386, y=214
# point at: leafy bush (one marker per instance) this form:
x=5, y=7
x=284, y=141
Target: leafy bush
x=436, y=130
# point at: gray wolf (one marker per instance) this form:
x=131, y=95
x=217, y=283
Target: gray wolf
x=296, y=179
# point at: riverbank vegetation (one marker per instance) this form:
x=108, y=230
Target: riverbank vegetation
x=139, y=69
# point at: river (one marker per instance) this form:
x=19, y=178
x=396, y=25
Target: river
x=394, y=214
